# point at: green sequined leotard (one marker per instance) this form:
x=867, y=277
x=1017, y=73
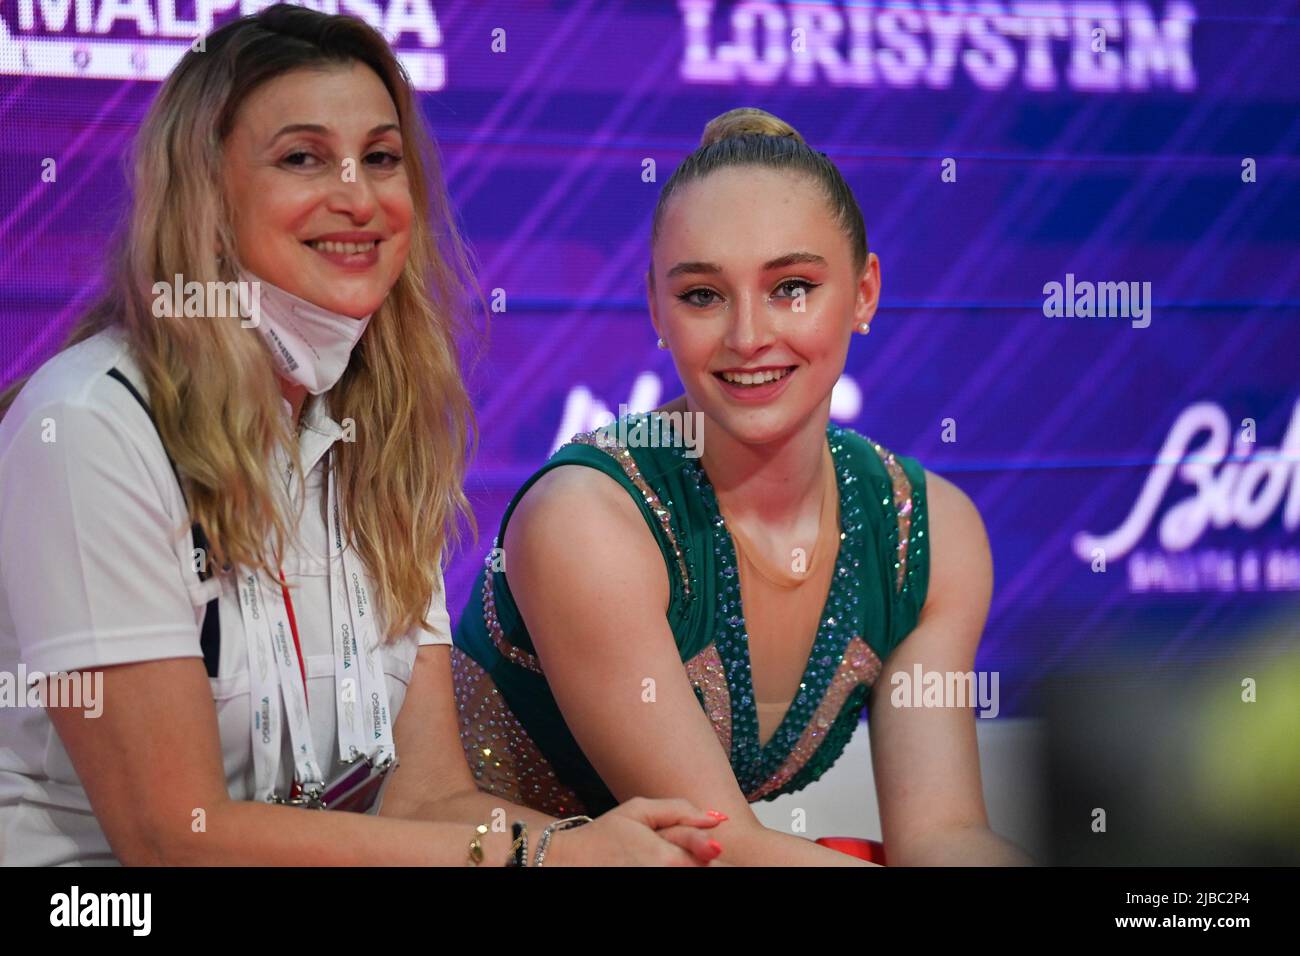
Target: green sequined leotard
x=515, y=737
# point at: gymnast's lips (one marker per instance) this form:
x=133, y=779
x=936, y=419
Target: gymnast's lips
x=755, y=385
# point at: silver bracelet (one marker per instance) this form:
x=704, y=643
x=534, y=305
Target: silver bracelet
x=551, y=830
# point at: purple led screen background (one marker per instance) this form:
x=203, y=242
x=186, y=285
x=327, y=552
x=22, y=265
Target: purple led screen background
x=1059, y=421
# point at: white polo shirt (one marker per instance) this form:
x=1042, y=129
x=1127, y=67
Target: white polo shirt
x=96, y=569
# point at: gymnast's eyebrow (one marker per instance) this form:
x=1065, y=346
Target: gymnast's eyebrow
x=794, y=259
x=780, y=262
x=694, y=268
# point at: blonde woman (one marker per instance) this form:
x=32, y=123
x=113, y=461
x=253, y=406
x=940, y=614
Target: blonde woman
x=226, y=526
x=709, y=618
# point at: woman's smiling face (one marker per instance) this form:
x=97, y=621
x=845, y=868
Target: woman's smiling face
x=756, y=295
x=314, y=175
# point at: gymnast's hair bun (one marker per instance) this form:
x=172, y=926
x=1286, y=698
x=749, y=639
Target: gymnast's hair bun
x=747, y=119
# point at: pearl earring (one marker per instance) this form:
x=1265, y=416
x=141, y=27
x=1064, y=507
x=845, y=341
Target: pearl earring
x=663, y=344
x=864, y=327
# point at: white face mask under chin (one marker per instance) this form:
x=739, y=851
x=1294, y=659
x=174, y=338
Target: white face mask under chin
x=309, y=344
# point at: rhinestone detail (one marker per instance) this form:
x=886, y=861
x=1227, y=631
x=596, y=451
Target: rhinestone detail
x=911, y=518
x=756, y=763
x=602, y=439
x=859, y=667
x=502, y=757
x=706, y=673
x=516, y=655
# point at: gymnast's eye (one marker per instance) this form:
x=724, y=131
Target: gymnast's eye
x=795, y=285
x=690, y=297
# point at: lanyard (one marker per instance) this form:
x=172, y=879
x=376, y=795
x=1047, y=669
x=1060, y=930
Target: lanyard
x=278, y=675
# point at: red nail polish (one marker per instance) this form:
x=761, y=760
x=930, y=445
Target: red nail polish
x=718, y=815
x=716, y=847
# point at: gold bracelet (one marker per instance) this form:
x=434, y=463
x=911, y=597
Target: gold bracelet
x=519, y=845
x=476, y=845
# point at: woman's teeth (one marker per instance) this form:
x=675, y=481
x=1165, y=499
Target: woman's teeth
x=348, y=248
x=755, y=378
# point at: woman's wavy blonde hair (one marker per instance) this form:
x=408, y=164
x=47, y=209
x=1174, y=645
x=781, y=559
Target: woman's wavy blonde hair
x=211, y=383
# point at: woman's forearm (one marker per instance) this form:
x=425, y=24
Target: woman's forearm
x=757, y=845
x=467, y=806
x=961, y=846
x=247, y=833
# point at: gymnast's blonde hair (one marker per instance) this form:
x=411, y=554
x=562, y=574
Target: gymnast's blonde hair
x=748, y=136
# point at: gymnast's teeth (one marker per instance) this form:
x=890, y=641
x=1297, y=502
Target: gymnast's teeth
x=755, y=378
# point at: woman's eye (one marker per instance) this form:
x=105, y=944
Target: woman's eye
x=377, y=159
x=693, y=297
x=384, y=159
x=298, y=158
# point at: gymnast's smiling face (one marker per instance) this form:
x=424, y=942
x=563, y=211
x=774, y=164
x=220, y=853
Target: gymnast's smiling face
x=319, y=194
x=756, y=295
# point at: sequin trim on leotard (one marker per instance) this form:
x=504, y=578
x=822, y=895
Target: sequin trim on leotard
x=516, y=655
x=660, y=509
x=911, y=517
x=502, y=757
x=859, y=666
x=706, y=674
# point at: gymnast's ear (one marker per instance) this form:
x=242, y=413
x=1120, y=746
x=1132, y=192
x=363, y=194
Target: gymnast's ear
x=868, y=297
x=650, y=300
